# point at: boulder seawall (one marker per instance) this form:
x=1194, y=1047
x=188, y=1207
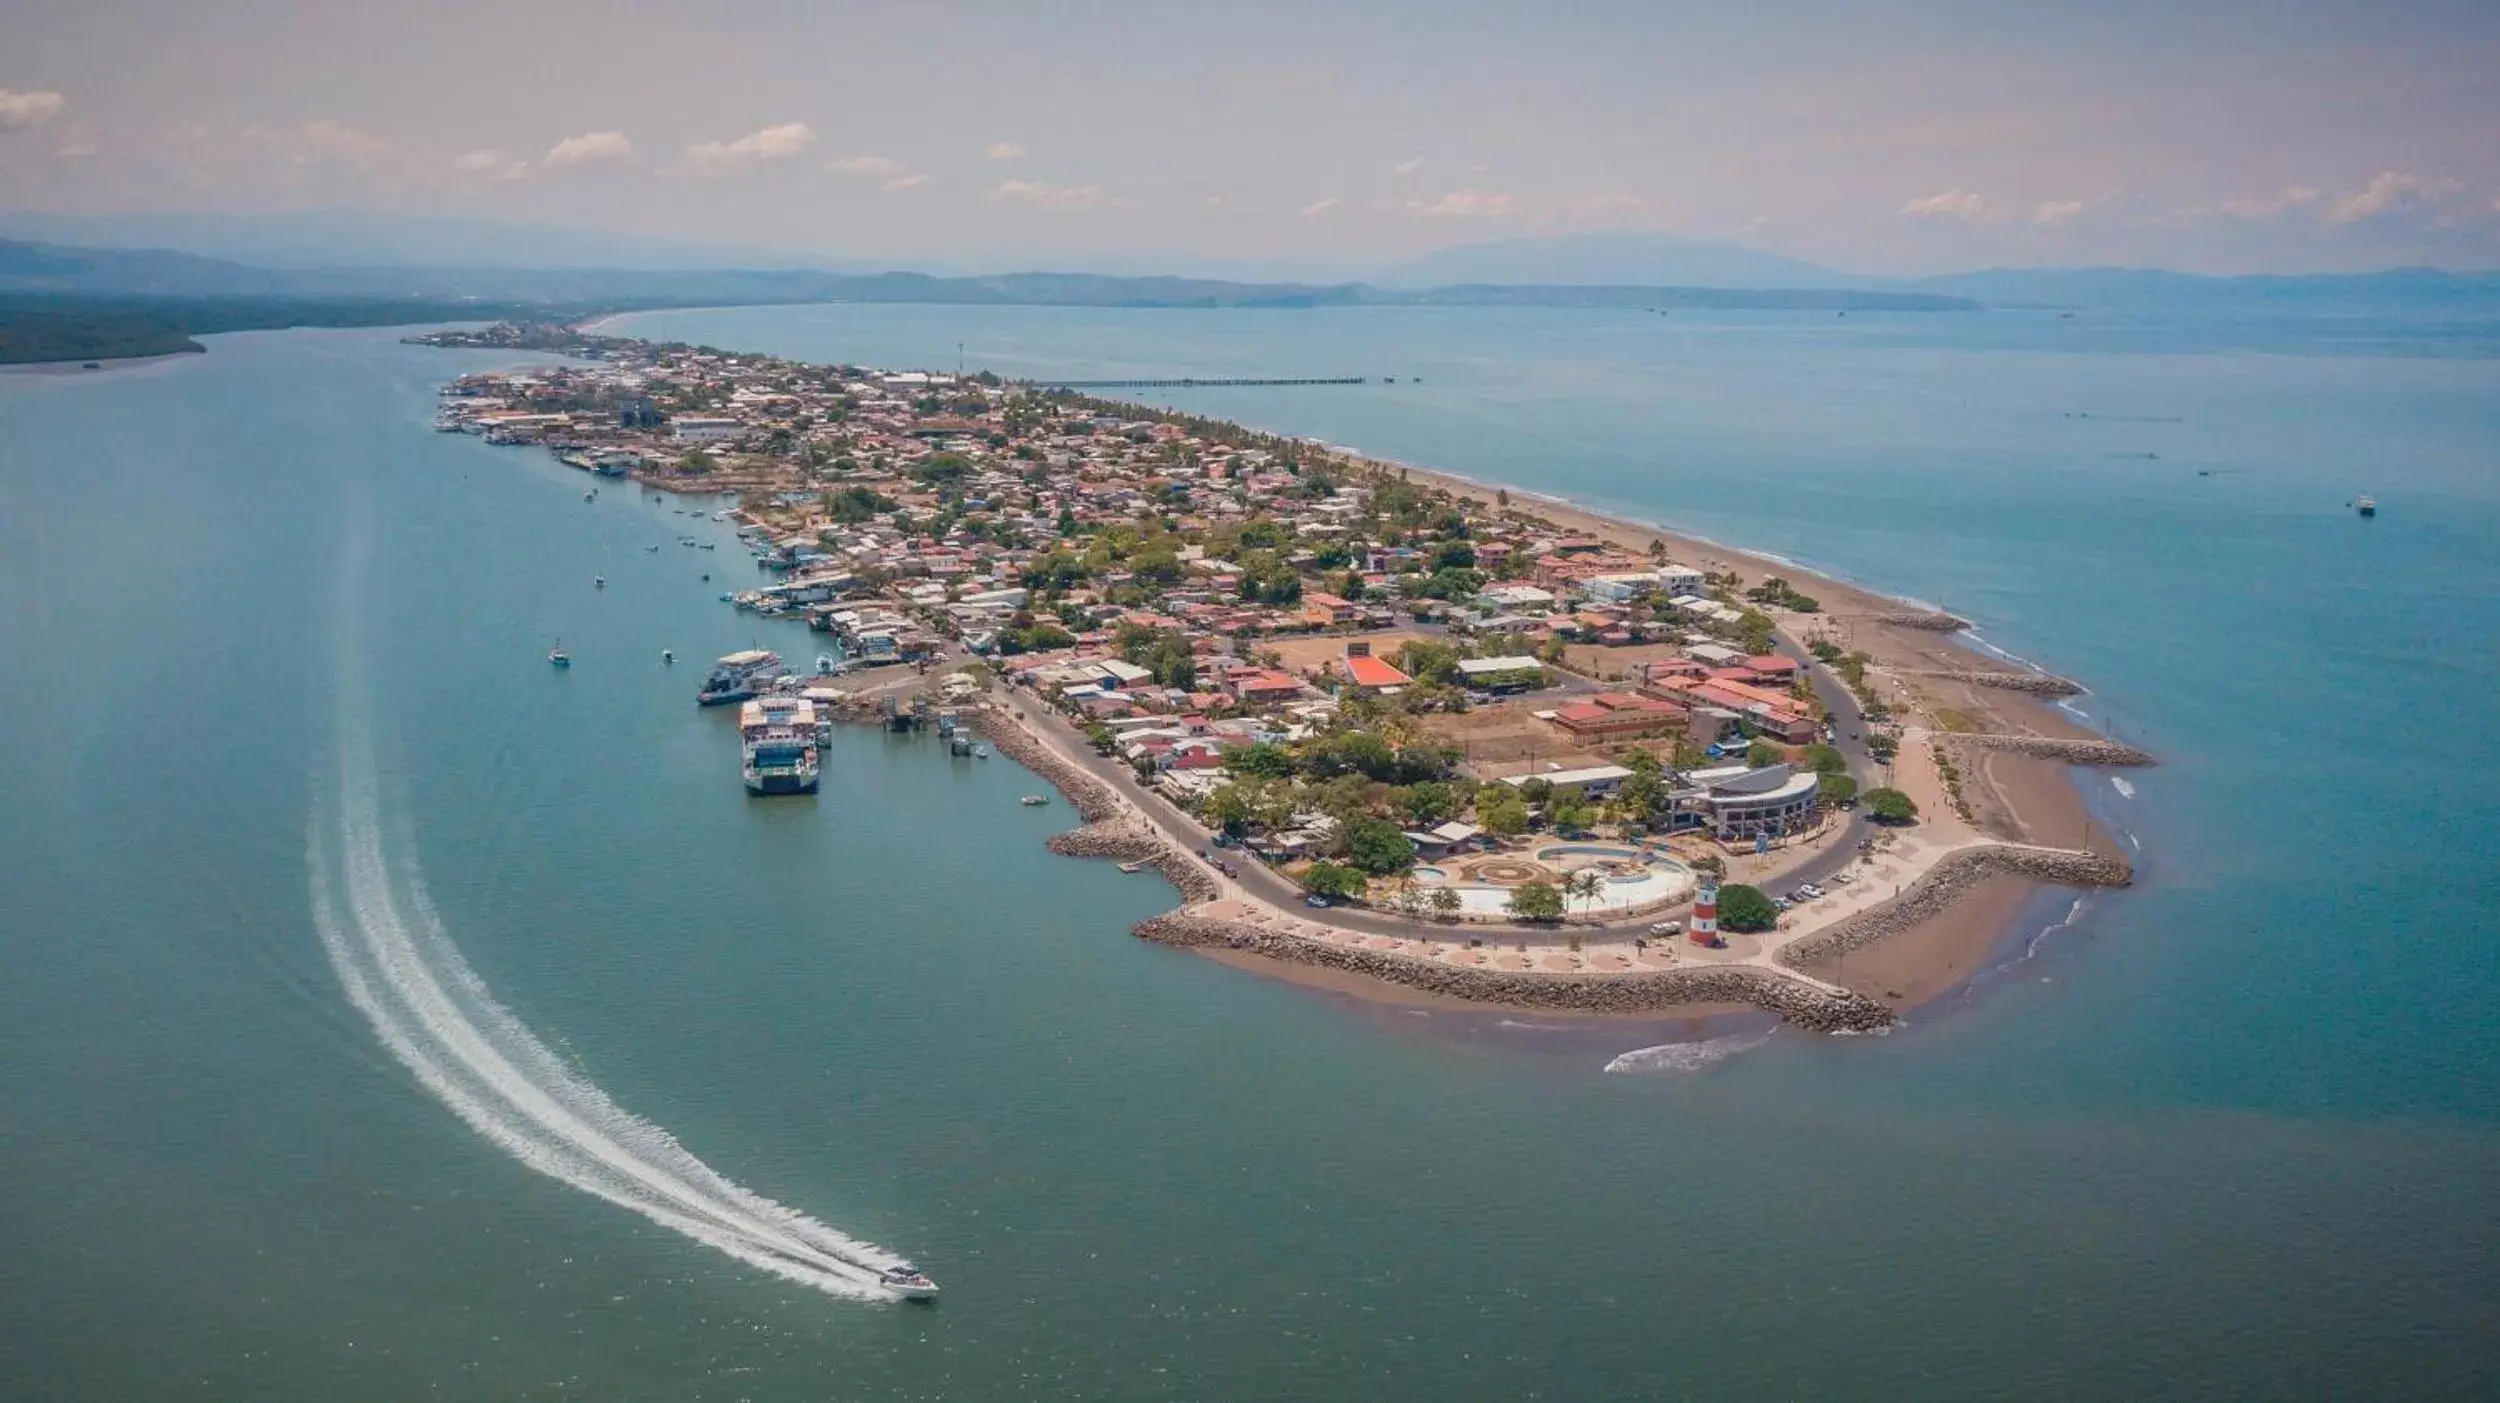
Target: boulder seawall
x=2072, y=752
x=1795, y=1001
x=1946, y=882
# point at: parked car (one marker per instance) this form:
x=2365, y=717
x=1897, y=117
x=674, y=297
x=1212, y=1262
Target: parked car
x=1316, y=900
x=1667, y=928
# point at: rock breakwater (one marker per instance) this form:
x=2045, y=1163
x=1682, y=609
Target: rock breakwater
x=2073, y=752
x=1947, y=882
x=1799, y=1003
x=1925, y=620
x=2038, y=684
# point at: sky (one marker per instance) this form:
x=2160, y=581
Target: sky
x=1874, y=136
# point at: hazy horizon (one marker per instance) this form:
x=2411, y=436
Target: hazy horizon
x=1883, y=140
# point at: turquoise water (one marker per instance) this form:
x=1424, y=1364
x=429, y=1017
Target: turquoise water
x=2231, y=1133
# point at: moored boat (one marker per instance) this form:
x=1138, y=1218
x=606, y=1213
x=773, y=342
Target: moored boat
x=777, y=751
x=736, y=676
x=2365, y=504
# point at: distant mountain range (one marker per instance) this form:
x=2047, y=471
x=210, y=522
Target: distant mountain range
x=161, y=297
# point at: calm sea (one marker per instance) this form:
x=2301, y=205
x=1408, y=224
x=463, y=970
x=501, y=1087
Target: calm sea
x=279, y=731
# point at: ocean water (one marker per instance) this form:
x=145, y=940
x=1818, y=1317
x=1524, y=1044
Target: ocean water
x=278, y=720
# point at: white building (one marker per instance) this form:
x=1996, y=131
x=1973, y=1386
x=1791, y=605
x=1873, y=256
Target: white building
x=1737, y=802
x=698, y=430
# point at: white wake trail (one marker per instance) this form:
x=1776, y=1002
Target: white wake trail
x=436, y=1016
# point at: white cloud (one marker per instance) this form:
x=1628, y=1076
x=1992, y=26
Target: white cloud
x=2393, y=192
x=1034, y=192
x=912, y=181
x=768, y=144
x=1005, y=150
x=489, y=165
x=21, y=111
x=1952, y=204
x=2057, y=212
x=1316, y=208
x=591, y=148
x=885, y=166
x=1467, y=203
x=1408, y=166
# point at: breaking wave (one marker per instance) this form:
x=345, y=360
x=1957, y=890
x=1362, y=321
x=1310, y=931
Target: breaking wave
x=1669, y=1059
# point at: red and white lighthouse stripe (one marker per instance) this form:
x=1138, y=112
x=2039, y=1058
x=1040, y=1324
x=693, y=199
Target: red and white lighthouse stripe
x=1705, y=928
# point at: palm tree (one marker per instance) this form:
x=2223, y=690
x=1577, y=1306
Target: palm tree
x=1581, y=885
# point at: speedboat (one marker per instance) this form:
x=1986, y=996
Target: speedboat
x=908, y=1282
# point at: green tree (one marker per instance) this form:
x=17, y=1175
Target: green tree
x=1582, y=886
x=1570, y=814
x=1505, y=815
x=1763, y=752
x=1536, y=790
x=1332, y=879
x=1891, y=806
x=1229, y=808
x=1445, y=903
x=1263, y=760
x=1743, y=909
x=1838, y=789
x=1099, y=737
x=1426, y=803
x=1826, y=761
x=1376, y=846
x=1535, y=901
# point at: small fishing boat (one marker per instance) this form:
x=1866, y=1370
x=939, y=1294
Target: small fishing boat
x=560, y=658
x=598, y=582
x=1139, y=865
x=1034, y=801
x=2365, y=504
x=668, y=656
x=825, y=664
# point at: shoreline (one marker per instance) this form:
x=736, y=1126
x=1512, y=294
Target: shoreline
x=1937, y=936
x=1985, y=750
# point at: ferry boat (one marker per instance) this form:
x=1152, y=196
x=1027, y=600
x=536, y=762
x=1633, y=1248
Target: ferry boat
x=2365, y=504
x=778, y=738
x=736, y=676
x=908, y=1282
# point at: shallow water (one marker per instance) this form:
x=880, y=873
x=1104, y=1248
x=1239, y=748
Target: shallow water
x=2231, y=1132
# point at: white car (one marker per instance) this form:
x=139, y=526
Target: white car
x=1667, y=928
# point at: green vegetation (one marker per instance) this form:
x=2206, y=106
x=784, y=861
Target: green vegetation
x=1745, y=909
x=1891, y=806
x=1780, y=594
x=1331, y=879
x=1536, y=901
x=1838, y=790
x=1378, y=847
x=1763, y=752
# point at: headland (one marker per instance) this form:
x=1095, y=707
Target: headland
x=1384, y=725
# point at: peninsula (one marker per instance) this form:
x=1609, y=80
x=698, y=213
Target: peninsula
x=1382, y=727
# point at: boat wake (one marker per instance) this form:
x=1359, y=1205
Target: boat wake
x=432, y=1012
x=2125, y=790
x=1669, y=1059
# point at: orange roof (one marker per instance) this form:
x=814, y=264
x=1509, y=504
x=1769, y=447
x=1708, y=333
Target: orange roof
x=1372, y=672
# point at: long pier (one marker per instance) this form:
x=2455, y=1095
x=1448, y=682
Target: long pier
x=1197, y=382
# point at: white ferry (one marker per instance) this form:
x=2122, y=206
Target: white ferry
x=777, y=750
x=738, y=676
